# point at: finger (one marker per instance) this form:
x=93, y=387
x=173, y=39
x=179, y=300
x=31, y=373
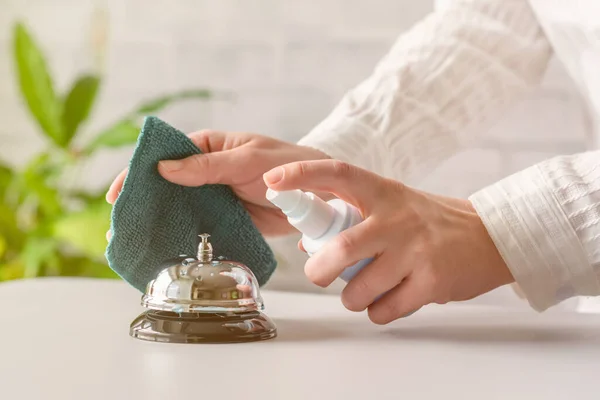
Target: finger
x=268, y=223
x=206, y=140
x=344, y=250
x=209, y=141
x=301, y=246
x=348, y=182
x=410, y=295
x=115, y=187
x=380, y=276
x=222, y=167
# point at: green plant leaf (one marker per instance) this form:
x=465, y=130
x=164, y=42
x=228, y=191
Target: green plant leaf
x=37, y=252
x=88, y=197
x=86, y=230
x=77, y=106
x=36, y=83
x=159, y=103
x=121, y=134
x=34, y=181
x=9, y=228
x=5, y=179
x=126, y=131
x=81, y=266
x=12, y=270
x=98, y=270
x=3, y=246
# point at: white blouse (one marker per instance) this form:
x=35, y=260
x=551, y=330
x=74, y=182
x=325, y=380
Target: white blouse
x=455, y=73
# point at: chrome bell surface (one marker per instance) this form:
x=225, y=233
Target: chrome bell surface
x=203, y=299
x=204, y=285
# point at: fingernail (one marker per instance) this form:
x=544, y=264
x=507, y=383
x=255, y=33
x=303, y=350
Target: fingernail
x=171, y=165
x=273, y=176
x=108, y=235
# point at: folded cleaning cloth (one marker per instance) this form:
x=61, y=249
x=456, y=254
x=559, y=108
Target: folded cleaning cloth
x=154, y=220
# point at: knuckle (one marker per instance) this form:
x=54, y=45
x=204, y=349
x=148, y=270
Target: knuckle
x=251, y=153
x=422, y=250
x=248, y=156
x=436, y=282
x=421, y=256
x=442, y=300
x=203, y=134
x=353, y=296
x=380, y=316
x=204, y=172
x=299, y=170
x=389, y=189
x=342, y=169
x=430, y=280
x=414, y=220
x=434, y=287
x=200, y=162
x=397, y=188
x=199, y=134
x=201, y=139
x=343, y=246
x=391, y=311
x=441, y=296
x=361, y=285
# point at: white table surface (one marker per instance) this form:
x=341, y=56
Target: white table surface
x=68, y=339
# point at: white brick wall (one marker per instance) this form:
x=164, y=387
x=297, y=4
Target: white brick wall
x=287, y=61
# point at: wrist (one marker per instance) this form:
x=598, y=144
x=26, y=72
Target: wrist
x=499, y=273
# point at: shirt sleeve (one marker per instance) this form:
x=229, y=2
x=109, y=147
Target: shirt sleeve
x=545, y=222
x=438, y=85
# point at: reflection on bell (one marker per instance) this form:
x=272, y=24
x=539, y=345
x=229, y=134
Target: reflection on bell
x=201, y=300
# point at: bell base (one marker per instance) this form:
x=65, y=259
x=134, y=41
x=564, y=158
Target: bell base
x=171, y=327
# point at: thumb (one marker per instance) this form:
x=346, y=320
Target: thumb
x=226, y=158
x=221, y=167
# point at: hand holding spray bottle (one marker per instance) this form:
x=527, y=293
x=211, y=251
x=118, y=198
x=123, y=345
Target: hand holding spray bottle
x=318, y=221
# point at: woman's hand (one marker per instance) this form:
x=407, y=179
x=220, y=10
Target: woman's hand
x=238, y=160
x=426, y=248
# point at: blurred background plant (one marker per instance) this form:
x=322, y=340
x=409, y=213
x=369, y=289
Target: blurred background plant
x=48, y=225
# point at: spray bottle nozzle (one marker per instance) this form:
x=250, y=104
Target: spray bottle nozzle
x=305, y=211
x=286, y=200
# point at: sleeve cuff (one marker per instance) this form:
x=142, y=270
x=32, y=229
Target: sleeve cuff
x=535, y=238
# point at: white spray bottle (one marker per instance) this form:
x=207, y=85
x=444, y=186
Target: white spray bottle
x=318, y=221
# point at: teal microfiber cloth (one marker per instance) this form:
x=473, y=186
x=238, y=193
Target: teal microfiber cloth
x=154, y=220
